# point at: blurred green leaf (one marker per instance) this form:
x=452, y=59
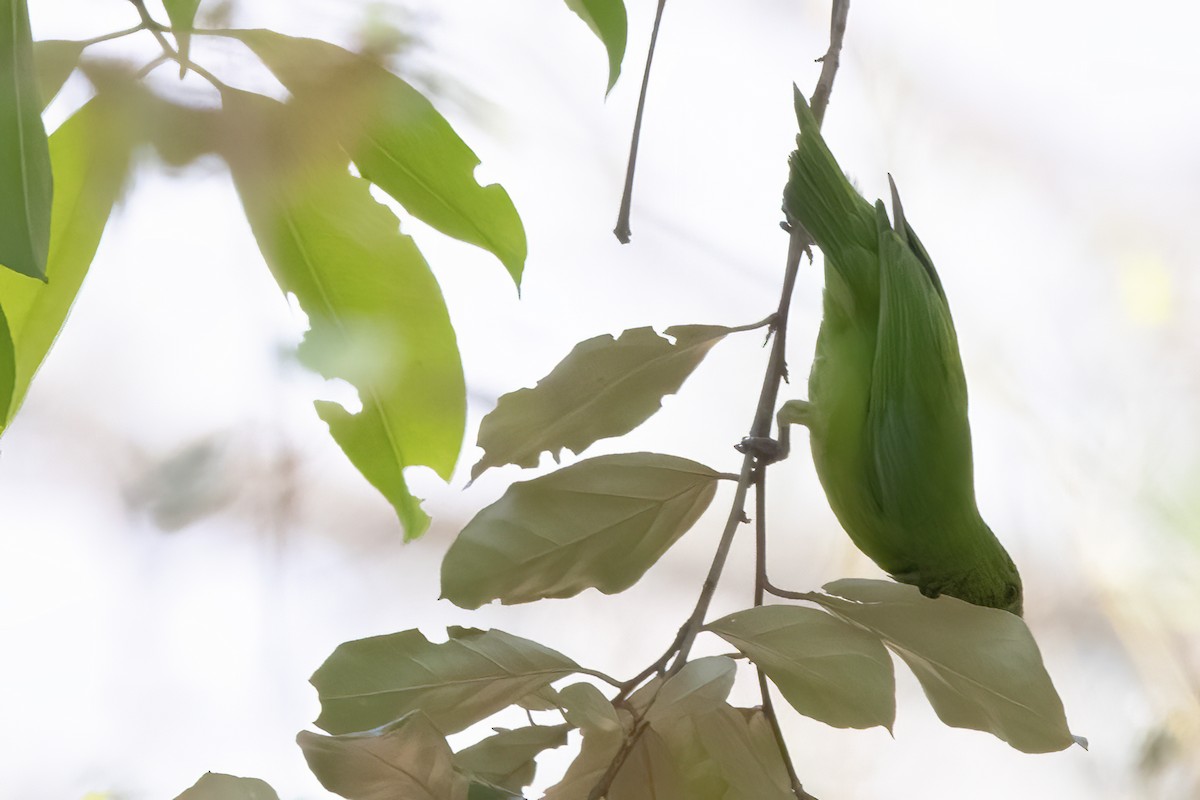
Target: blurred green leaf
x=979, y=667
x=217, y=786
x=368, y=682
x=506, y=760
x=8, y=366
x=90, y=152
x=26, y=183
x=406, y=759
x=608, y=21
x=603, y=388
x=377, y=317
x=599, y=524
x=397, y=139
x=826, y=669
x=55, y=60
x=182, y=14
x=700, y=686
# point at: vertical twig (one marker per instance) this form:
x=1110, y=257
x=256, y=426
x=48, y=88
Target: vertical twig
x=776, y=372
x=622, y=230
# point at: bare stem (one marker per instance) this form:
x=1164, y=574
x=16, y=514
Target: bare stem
x=622, y=230
x=171, y=54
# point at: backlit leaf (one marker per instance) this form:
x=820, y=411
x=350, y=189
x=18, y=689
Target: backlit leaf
x=407, y=759
x=55, y=60
x=608, y=21
x=26, y=185
x=700, y=686
x=722, y=753
x=90, y=152
x=603, y=388
x=217, y=786
x=397, y=139
x=597, y=752
x=825, y=668
x=369, y=682
x=376, y=314
x=586, y=707
x=979, y=667
x=649, y=772
x=599, y=524
x=506, y=760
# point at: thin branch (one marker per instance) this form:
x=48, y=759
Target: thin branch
x=170, y=52
x=760, y=584
x=106, y=37
x=776, y=372
x=831, y=60
x=622, y=230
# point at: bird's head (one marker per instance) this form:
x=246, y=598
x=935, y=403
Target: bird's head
x=993, y=582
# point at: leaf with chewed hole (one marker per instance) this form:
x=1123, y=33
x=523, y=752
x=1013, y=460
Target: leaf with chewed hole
x=369, y=682
x=407, y=758
x=605, y=387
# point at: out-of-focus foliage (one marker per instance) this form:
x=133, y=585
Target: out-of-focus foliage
x=24, y=157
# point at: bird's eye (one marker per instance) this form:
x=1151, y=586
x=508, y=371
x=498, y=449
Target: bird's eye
x=1010, y=593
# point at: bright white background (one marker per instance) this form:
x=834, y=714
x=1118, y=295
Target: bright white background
x=182, y=544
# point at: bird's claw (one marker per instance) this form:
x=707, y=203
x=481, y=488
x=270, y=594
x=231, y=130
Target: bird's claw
x=765, y=449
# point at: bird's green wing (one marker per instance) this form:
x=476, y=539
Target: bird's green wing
x=917, y=418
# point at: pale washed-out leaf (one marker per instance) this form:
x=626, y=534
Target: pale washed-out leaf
x=368, y=682
x=600, y=523
x=826, y=669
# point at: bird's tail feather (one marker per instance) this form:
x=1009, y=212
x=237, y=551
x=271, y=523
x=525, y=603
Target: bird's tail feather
x=819, y=196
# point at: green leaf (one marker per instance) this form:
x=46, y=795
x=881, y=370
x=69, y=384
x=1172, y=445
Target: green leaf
x=599, y=524
x=597, y=752
x=649, y=772
x=506, y=760
x=979, y=667
x=544, y=699
x=407, y=759
x=377, y=317
x=182, y=14
x=826, y=669
x=701, y=686
x=90, y=153
x=603, y=388
x=746, y=755
x=217, y=786
x=607, y=20
x=26, y=184
x=397, y=139
x=8, y=366
x=484, y=791
x=586, y=707
x=55, y=60
x=368, y=682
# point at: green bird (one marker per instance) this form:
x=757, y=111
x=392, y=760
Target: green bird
x=887, y=408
